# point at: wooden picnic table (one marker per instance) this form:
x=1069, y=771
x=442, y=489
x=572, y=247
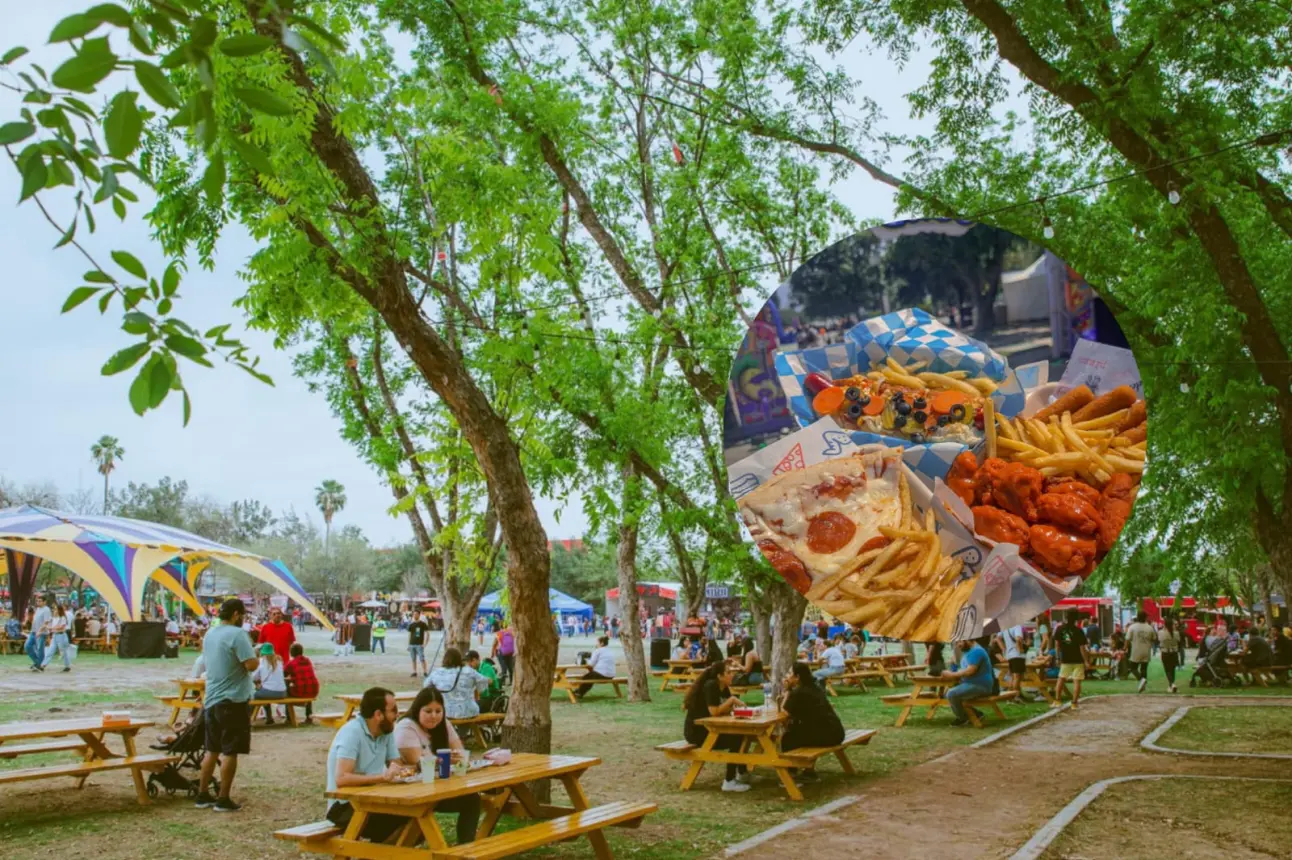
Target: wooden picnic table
x=15, y=645
x=1033, y=678
x=188, y=697
x=759, y=747
x=680, y=672
x=928, y=691
x=562, y=680
x=504, y=789
x=889, y=666
x=84, y=736
x=475, y=725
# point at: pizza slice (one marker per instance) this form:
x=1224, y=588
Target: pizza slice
x=810, y=523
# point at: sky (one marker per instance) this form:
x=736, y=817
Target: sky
x=246, y=440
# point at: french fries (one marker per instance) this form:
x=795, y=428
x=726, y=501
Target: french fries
x=1059, y=446
x=905, y=589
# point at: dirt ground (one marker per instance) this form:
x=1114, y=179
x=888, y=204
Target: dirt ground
x=987, y=802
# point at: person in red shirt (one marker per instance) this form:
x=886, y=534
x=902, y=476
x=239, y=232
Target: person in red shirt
x=277, y=631
x=301, y=681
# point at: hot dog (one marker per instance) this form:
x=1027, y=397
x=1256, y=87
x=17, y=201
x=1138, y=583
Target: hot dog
x=1138, y=415
x=1075, y=399
x=1122, y=397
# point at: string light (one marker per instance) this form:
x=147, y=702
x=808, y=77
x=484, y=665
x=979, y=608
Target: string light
x=1047, y=227
x=1184, y=388
x=1172, y=194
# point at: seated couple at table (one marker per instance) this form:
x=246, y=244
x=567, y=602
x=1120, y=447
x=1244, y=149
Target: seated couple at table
x=376, y=747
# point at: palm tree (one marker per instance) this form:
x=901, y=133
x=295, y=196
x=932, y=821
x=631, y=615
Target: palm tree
x=106, y=452
x=330, y=497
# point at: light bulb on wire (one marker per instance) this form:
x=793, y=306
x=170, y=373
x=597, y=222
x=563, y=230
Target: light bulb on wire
x=1172, y=194
x=1184, y=388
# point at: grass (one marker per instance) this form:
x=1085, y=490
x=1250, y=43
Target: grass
x=1234, y=729
x=281, y=782
x=1173, y=818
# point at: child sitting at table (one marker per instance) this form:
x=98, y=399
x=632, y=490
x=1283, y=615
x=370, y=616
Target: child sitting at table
x=302, y=683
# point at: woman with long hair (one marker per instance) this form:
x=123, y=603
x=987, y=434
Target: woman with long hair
x=1171, y=643
x=422, y=731
x=269, y=679
x=58, y=629
x=460, y=684
x=710, y=696
x=812, y=720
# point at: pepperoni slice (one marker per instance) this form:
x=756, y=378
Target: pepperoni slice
x=829, y=532
x=877, y=542
x=789, y=567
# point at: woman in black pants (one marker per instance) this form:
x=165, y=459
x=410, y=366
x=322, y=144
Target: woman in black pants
x=1171, y=643
x=813, y=722
x=710, y=696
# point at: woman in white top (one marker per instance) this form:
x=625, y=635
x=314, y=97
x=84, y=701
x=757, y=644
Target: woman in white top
x=600, y=665
x=58, y=627
x=269, y=680
x=418, y=734
x=460, y=684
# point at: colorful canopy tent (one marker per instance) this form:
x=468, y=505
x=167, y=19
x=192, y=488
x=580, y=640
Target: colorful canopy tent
x=21, y=570
x=491, y=604
x=117, y=556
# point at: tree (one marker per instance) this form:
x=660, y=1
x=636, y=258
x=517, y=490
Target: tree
x=329, y=496
x=167, y=502
x=952, y=270
x=106, y=452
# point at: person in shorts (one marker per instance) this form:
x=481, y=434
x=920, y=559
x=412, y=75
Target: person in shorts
x=1071, y=643
x=417, y=630
x=230, y=660
x=1015, y=653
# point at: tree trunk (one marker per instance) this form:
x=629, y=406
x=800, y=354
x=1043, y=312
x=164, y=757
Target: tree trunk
x=457, y=621
x=788, y=607
x=760, y=611
x=634, y=648
x=984, y=315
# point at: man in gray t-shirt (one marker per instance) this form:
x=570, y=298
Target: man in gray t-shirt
x=230, y=659
x=39, y=630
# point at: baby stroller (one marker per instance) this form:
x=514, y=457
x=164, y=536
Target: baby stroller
x=1213, y=668
x=190, y=742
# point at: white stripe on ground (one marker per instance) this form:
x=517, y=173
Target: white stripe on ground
x=1052, y=828
x=1150, y=741
x=786, y=826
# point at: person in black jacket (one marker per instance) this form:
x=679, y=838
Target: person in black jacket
x=710, y=696
x=812, y=721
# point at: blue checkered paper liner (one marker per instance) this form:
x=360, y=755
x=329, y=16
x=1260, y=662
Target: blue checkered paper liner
x=905, y=336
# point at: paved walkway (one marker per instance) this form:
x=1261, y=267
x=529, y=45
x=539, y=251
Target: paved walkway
x=988, y=802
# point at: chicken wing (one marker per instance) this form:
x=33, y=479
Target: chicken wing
x=963, y=477
x=986, y=478
x=1113, y=515
x=1062, y=552
x=1122, y=486
x=1016, y=488
x=1001, y=526
x=1072, y=485
x=1069, y=510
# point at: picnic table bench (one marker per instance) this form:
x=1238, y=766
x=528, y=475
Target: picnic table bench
x=856, y=678
x=95, y=755
x=474, y=726
x=1032, y=678
x=929, y=692
x=758, y=748
x=191, y=691
x=7, y=644
x=92, y=643
x=1265, y=675
x=503, y=789
x=889, y=666
x=562, y=680
x=679, y=672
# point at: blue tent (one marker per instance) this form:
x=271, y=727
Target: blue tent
x=563, y=604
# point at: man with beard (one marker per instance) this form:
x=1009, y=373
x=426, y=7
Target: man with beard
x=364, y=753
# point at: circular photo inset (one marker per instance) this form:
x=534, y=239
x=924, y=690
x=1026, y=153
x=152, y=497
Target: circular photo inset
x=934, y=430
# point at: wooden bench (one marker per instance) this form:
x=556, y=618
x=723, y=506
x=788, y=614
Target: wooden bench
x=933, y=701
x=15, y=645
x=136, y=764
x=314, y=832
x=176, y=704
x=66, y=745
x=809, y=755
x=570, y=683
x=92, y=643
x=853, y=679
x=622, y=813
x=291, y=703
x=332, y=719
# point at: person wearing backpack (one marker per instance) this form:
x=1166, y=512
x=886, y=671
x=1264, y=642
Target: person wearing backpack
x=460, y=684
x=504, y=649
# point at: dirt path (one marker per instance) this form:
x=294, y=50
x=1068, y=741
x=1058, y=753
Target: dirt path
x=987, y=802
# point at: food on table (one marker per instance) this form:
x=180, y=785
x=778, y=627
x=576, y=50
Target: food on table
x=1075, y=399
x=1062, y=488
x=904, y=401
x=845, y=533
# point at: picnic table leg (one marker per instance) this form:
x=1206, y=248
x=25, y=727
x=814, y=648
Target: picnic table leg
x=973, y=718
x=579, y=801
x=782, y=773
x=888, y=679
x=844, y=761
x=829, y=687
x=901, y=717
x=493, y=811
x=291, y=716
x=431, y=831
x=618, y=694
x=479, y=736
x=697, y=765
x=995, y=706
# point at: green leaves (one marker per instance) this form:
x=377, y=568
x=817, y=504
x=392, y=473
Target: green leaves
x=130, y=263
x=255, y=158
x=94, y=62
x=153, y=81
x=12, y=132
x=12, y=54
x=263, y=101
x=213, y=179
x=152, y=384
x=72, y=27
x=34, y=175
x=109, y=13
x=245, y=45
x=123, y=125
x=125, y=359
x=79, y=295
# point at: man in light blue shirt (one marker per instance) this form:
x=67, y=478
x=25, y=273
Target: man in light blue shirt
x=364, y=753
x=977, y=679
x=230, y=659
